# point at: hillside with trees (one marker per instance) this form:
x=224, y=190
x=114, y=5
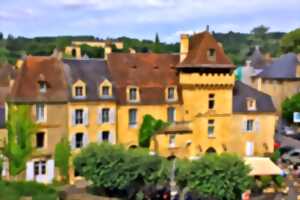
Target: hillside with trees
x=237, y=45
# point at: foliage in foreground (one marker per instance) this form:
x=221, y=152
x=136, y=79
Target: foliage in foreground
x=291, y=42
x=20, y=128
x=15, y=190
x=222, y=176
x=62, y=157
x=148, y=129
x=114, y=168
x=289, y=106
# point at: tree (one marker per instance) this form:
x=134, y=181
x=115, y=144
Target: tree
x=289, y=106
x=1, y=36
x=62, y=157
x=120, y=170
x=148, y=129
x=20, y=128
x=291, y=42
x=222, y=176
x=157, y=45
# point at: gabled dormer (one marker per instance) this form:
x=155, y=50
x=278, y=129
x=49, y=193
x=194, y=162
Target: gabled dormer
x=251, y=104
x=43, y=85
x=105, y=89
x=171, y=94
x=79, y=90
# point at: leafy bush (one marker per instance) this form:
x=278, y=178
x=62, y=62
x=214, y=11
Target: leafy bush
x=115, y=169
x=289, y=106
x=275, y=156
x=62, y=156
x=279, y=180
x=15, y=190
x=265, y=181
x=222, y=176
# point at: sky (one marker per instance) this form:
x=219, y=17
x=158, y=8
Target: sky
x=143, y=18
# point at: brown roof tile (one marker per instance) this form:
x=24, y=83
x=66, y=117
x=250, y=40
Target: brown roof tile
x=26, y=87
x=199, y=44
x=152, y=73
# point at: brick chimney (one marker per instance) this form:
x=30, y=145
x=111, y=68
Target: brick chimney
x=184, y=46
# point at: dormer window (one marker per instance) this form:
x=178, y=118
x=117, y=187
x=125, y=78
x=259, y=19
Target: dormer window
x=78, y=91
x=251, y=104
x=43, y=86
x=105, y=91
x=211, y=54
x=171, y=93
x=133, y=94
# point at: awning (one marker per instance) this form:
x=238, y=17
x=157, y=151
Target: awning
x=262, y=166
x=177, y=128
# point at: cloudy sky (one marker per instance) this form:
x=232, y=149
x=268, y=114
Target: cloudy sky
x=143, y=18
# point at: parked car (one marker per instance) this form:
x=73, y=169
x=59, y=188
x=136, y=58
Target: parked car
x=292, y=157
x=285, y=149
x=289, y=130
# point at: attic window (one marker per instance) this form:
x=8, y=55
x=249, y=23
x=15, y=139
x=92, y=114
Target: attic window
x=156, y=67
x=43, y=86
x=133, y=66
x=211, y=54
x=251, y=104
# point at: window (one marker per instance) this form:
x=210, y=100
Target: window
x=251, y=104
x=78, y=91
x=211, y=128
x=172, y=140
x=211, y=54
x=40, y=140
x=132, y=117
x=105, y=136
x=43, y=86
x=39, y=167
x=79, y=140
x=105, y=91
x=171, y=93
x=171, y=114
x=133, y=94
x=250, y=125
x=79, y=116
x=40, y=112
x=105, y=115
x=211, y=101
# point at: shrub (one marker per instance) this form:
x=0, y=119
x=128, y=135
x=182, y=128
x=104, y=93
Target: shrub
x=279, y=180
x=222, y=176
x=62, y=156
x=265, y=181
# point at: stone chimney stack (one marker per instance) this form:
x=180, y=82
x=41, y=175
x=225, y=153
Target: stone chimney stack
x=107, y=50
x=184, y=46
x=207, y=28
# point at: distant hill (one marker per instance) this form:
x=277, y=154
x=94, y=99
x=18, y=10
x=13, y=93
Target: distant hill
x=236, y=45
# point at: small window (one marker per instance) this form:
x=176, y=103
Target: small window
x=79, y=91
x=172, y=140
x=105, y=91
x=79, y=140
x=43, y=86
x=251, y=104
x=40, y=140
x=211, y=101
x=211, y=128
x=39, y=167
x=132, y=117
x=171, y=114
x=211, y=54
x=105, y=136
x=171, y=93
x=133, y=94
x=79, y=116
x=40, y=112
x=105, y=115
x=250, y=125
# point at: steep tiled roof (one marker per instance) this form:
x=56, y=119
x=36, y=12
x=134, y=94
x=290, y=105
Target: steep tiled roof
x=7, y=73
x=242, y=92
x=199, y=45
x=152, y=73
x=257, y=59
x=282, y=68
x=92, y=72
x=35, y=68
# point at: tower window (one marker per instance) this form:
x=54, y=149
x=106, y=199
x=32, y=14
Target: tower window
x=105, y=91
x=133, y=94
x=211, y=128
x=211, y=101
x=78, y=91
x=40, y=140
x=171, y=114
x=105, y=136
x=171, y=93
x=79, y=140
x=132, y=117
x=211, y=54
x=43, y=86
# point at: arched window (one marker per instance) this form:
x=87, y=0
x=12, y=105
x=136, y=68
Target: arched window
x=211, y=150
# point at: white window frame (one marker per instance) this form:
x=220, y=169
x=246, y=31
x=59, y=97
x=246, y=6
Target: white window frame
x=40, y=164
x=173, y=109
x=211, y=123
x=250, y=126
x=78, y=119
x=43, y=86
x=136, y=99
x=108, y=115
x=40, y=110
x=82, y=92
x=132, y=125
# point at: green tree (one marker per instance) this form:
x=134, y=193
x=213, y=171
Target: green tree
x=1, y=36
x=62, y=157
x=149, y=128
x=291, y=42
x=157, y=44
x=223, y=177
x=120, y=170
x=92, y=52
x=289, y=106
x=20, y=128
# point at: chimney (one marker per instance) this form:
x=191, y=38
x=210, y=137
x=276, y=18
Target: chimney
x=132, y=51
x=207, y=28
x=184, y=46
x=107, y=50
x=57, y=54
x=248, y=63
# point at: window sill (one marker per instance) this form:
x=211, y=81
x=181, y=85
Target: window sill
x=171, y=100
x=173, y=147
x=79, y=98
x=132, y=125
x=211, y=137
